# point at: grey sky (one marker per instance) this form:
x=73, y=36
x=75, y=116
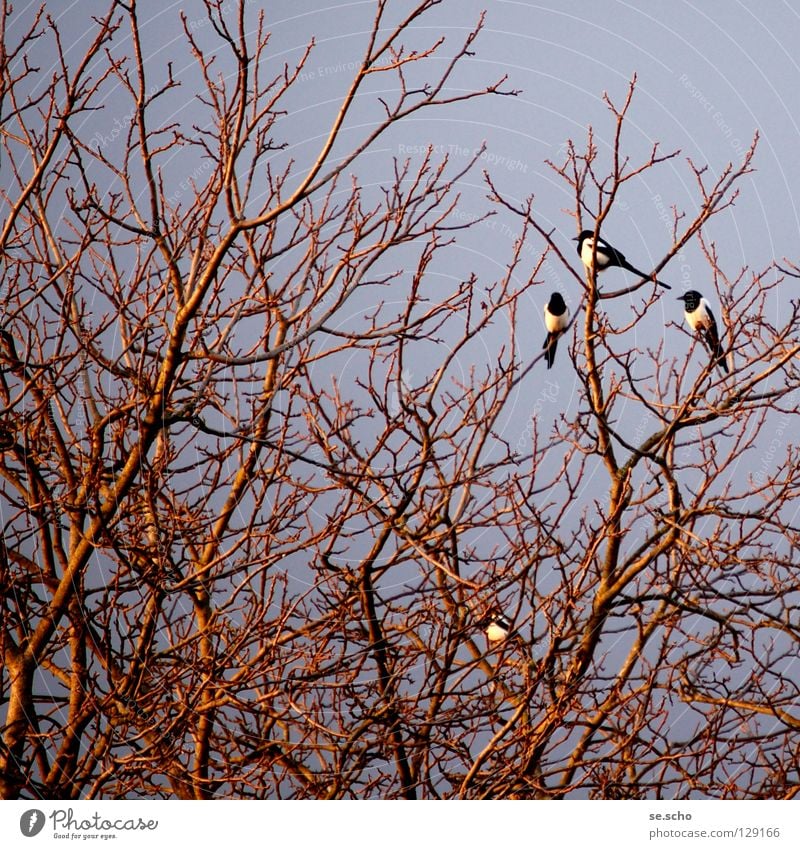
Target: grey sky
x=709, y=75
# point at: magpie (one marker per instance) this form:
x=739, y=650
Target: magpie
x=699, y=317
x=607, y=256
x=496, y=626
x=556, y=319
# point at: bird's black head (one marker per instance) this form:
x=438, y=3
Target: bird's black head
x=500, y=621
x=495, y=617
x=691, y=299
x=556, y=304
x=582, y=237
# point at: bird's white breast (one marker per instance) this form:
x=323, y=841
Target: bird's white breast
x=554, y=323
x=586, y=254
x=700, y=317
x=495, y=632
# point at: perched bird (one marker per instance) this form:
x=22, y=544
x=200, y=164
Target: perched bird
x=496, y=626
x=556, y=319
x=607, y=256
x=699, y=317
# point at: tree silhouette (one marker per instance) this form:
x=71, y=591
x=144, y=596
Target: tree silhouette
x=259, y=491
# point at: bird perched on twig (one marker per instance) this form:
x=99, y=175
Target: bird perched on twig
x=556, y=319
x=698, y=315
x=496, y=626
x=607, y=257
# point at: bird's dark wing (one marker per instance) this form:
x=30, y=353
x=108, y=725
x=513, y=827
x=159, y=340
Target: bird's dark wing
x=713, y=341
x=712, y=333
x=617, y=258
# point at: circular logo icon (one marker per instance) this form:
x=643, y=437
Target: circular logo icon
x=31, y=822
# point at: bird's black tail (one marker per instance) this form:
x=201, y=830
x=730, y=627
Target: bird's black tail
x=550, y=345
x=645, y=276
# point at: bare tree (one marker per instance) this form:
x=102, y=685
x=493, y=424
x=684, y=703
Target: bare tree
x=671, y=634
x=259, y=484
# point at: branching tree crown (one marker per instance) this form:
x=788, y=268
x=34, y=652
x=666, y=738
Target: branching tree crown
x=260, y=492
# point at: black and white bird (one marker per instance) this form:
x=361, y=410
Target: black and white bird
x=496, y=626
x=556, y=319
x=699, y=317
x=607, y=257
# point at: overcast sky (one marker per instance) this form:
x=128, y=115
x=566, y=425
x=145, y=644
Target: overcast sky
x=709, y=74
